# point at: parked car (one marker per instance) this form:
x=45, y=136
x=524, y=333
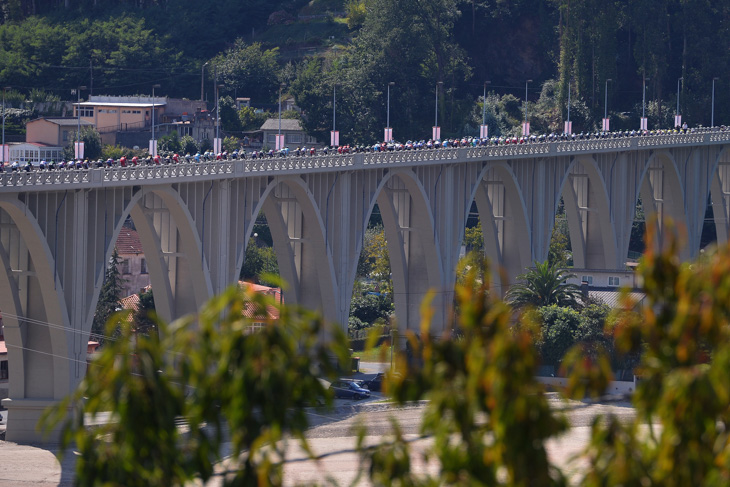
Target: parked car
x=349, y=390
x=376, y=383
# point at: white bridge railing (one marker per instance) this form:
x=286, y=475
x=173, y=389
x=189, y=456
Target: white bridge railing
x=11, y=181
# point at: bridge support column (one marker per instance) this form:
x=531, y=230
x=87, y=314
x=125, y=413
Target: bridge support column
x=721, y=201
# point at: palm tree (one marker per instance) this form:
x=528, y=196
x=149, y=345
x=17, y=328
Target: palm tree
x=543, y=286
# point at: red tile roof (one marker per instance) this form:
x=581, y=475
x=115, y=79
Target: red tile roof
x=252, y=311
x=128, y=242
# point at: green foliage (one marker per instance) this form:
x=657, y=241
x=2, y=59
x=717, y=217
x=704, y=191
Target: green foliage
x=108, y=303
x=374, y=262
x=231, y=143
x=188, y=145
x=210, y=374
x=544, y=285
x=229, y=117
x=250, y=69
x=356, y=13
x=144, y=318
x=170, y=143
x=92, y=144
x=474, y=239
x=371, y=308
x=250, y=119
x=259, y=263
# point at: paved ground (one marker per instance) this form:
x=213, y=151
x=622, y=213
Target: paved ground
x=332, y=433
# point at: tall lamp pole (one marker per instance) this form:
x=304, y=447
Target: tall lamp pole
x=605, y=107
x=677, y=116
x=484, y=130
x=388, y=129
x=568, y=126
x=3, y=161
x=78, y=152
x=712, y=117
x=525, y=124
x=202, y=72
x=153, y=145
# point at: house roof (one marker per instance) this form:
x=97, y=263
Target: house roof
x=120, y=104
x=64, y=122
x=252, y=311
x=611, y=297
x=128, y=242
x=286, y=124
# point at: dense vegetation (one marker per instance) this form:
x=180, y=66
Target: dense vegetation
x=123, y=47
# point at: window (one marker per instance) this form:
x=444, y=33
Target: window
x=85, y=112
x=271, y=138
x=588, y=279
x=4, y=370
x=295, y=138
x=143, y=267
x=613, y=281
x=65, y=135
x=125, y=266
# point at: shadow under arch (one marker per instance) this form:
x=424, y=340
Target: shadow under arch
x=298, y=234
x=413, y=249
x=719, y=189
x=505, y=228
x=192, y=285
x=39, y=354
x=662, y=196
x=588, y=209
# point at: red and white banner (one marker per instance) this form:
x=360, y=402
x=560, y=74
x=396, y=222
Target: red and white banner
x=606, y=125
x=388, y=135
x=526, y=128
x=568, y=128
x=334, y=138
x=436, y=133
x=4, y=153
x=78, y=150
x=484, y=131
x=678, y=120
x=217, y=145
x=280, y=141
x=644, y=123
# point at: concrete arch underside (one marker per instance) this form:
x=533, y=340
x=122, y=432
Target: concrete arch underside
x=720, y=194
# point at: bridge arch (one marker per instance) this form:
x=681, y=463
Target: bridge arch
x=662, y=195
x=719, y=191
x=415, y=260
x=298, y=232
x=588, y=209
x=173, y=251
x=505, y=227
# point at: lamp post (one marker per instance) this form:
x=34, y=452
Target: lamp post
x=484, y=129
x=202, y=71
x=3, y=160
x=644, y=123
x=79, y=152
x=525, y=124
x=388, y=130
x=279, y=141
x=436, y=135
x=568, y=126
x=712, y=116
x=605, y=107
x=153, y=142
x=677, y=116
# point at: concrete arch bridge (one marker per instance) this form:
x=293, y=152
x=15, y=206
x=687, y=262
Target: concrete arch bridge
x=58, y=230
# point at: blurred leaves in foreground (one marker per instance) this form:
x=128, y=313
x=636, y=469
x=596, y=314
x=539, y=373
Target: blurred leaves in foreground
x=487, y=417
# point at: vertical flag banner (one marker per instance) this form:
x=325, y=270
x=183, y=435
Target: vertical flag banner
x=334, y=138
x=79, y=150
x=436, y=133
x=484, y=131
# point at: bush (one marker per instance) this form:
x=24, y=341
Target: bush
x=188, y=145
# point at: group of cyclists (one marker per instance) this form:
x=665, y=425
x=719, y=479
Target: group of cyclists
x=210, y=156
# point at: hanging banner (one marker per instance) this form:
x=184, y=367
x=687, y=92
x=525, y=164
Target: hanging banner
x=79, y=150
x=217, y=144
x=5, y=153
x=606, y=125
x=678, y=121
x=334, y=138
x=526, y=129
x=153, y=147
x=436, y=133
x=568, y=128
x=388, y=135
x=280, y=141
x=644, y=123
x=484, y=131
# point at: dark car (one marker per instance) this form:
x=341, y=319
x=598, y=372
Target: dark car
x=376, y=383
x=349, y=390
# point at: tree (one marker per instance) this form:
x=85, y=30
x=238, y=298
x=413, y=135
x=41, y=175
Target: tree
x=188, y=145
x=92, y=144
x=259, y=262
x=474, y=238
x=544, y=285
x=144, y=318
x=248, y=68
x=108, y=303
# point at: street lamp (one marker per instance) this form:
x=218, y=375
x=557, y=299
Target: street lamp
x=279, y=142
x=436, y=129
x=644, y=123
x=605, y=107
x=712, y=117
x=525, y=124
x=3, y=161
x=202, y=71
x=79, y=153
x=678, y=117
x=484, y=130
x=153, y=143
x=388, y=130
